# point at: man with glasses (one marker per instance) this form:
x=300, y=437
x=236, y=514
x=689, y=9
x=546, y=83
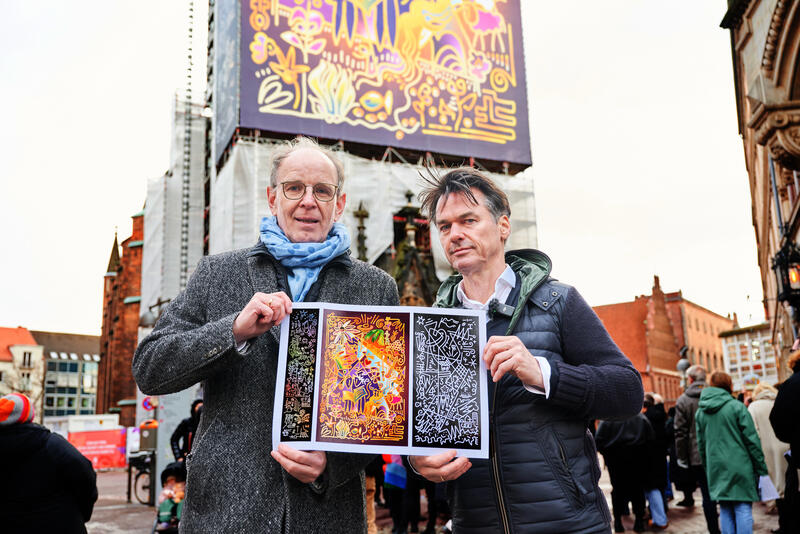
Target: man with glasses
x=222, y=331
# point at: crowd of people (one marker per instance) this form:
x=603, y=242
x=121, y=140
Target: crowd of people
x=737, y=450
x=553, y=368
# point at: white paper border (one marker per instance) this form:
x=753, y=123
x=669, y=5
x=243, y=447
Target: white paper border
x=410, y=449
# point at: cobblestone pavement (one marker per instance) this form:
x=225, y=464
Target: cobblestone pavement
x=114, y=515
x=691, y=520
x=681, y=520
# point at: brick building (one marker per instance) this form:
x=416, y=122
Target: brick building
x=698, y=329
x=644, y=331
x=116, y=390
x=653, y=329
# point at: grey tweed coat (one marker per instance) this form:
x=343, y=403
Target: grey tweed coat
x=233, y=483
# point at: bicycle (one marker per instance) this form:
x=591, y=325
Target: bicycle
x=143, y=480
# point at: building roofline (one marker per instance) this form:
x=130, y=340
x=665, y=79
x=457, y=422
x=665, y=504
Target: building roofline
x=626, y=302
x=676, y=296
x=70, y=334
x=744, y=330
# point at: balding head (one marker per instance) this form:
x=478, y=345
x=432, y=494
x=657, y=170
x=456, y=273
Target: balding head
x=284, y=150
x=696, y=373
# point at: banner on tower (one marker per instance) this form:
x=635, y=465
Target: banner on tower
x=434, y=75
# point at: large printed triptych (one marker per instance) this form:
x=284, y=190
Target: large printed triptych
x=397, y=380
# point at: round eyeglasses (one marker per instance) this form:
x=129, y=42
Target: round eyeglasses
x=295, y=190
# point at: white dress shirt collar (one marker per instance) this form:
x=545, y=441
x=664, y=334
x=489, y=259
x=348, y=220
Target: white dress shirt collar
x=502, y=288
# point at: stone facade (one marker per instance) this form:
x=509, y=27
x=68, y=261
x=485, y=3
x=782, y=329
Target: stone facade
x=116, y=390
x=765, y=44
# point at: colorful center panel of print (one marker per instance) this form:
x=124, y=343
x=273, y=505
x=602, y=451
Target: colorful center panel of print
x=363, y=394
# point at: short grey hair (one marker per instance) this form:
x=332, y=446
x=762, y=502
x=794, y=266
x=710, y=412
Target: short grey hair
x=697, y=373
x=462, y=180
x=283, y=150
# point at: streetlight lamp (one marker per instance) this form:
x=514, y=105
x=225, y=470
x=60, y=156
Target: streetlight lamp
x=786, y=265
x=683, y=365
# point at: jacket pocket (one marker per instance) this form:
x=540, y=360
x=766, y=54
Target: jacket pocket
x=591, y=454
x=556, y=455
x=202, y=431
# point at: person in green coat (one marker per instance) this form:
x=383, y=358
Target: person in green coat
x=731, y=454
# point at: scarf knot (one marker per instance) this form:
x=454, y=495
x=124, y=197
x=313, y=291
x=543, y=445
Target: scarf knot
x=304, y=260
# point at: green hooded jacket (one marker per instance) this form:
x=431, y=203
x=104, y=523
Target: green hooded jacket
x=729, y=447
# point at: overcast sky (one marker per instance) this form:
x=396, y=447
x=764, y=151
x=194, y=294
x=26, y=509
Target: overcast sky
x=639, y=168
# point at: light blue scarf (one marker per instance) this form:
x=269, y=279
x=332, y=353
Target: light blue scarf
x=305, y=260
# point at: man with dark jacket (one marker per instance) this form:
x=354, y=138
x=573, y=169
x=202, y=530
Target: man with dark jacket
x=677, y=475
x=686, y=442
x=624, y=446
x=181, y=440
x=46, y=485
x=553, y=367
x=656, y=480
x=785, y=419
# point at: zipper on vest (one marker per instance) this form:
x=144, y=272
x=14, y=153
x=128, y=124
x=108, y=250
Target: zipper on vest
x=495, y=465
x=574, y=489
x=496, y=470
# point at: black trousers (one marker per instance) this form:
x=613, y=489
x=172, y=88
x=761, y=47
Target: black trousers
x=789, y=506
x=709, y=507
x=627, y=485
x=397, y=501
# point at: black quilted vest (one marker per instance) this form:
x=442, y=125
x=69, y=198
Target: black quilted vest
x=542, y=473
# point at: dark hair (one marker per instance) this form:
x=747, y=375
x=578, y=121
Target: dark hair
x=649, y=400
x=721, y=379
x=461, y=180
x=794, y=361
x=174, y=469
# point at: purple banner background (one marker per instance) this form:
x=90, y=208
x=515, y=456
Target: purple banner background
x=425, y=76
